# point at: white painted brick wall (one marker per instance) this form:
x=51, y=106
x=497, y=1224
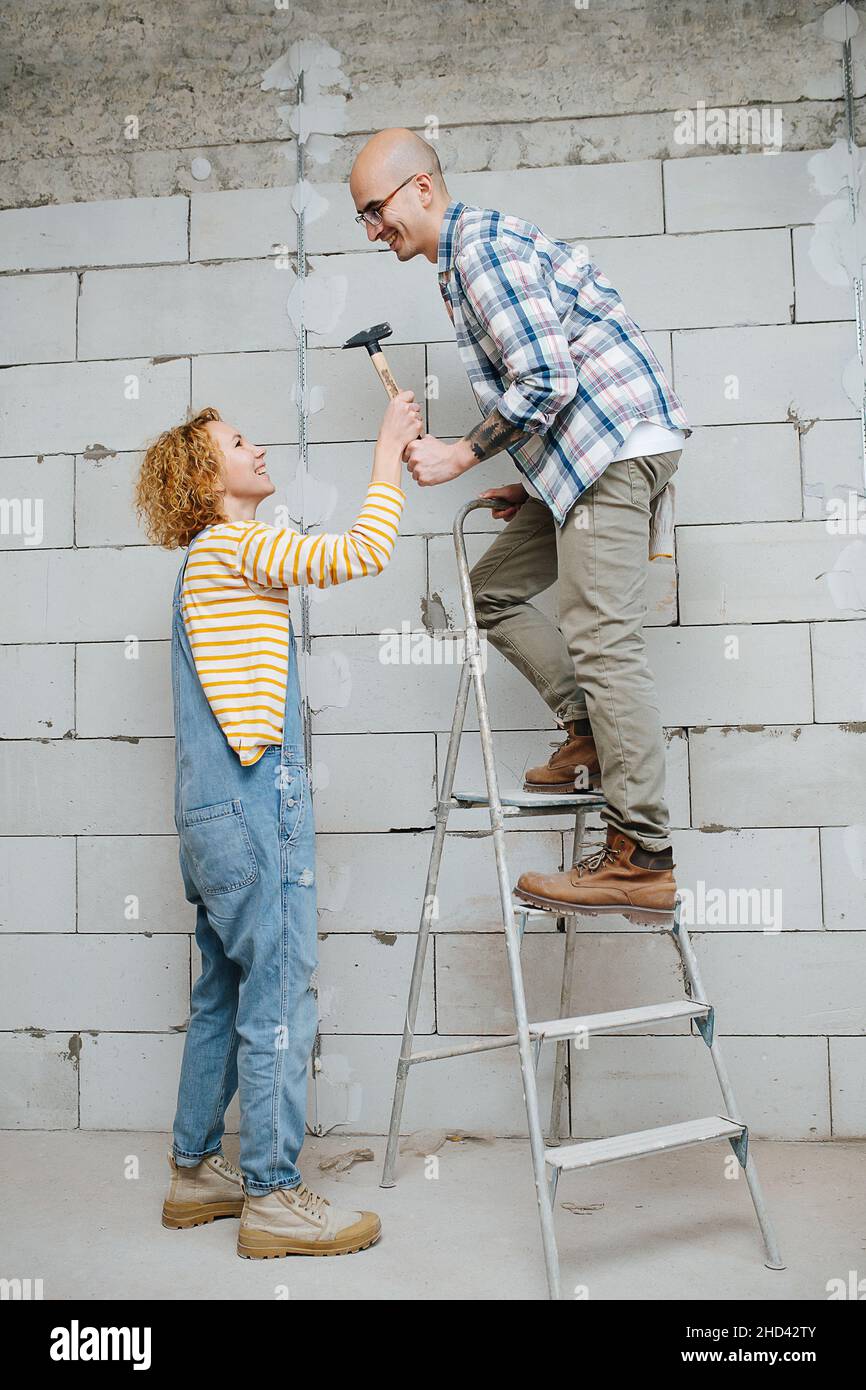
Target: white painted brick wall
x=699, y=281
x=758, y=375
x=732, y=190
x=38, y=316
x=71, y=406
x=119, y=317
x=125, y=231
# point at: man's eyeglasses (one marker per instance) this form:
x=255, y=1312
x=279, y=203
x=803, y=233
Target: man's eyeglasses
x=373, y=216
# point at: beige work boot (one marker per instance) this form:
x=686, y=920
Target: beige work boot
x=212, y=1188
x=298, y=1221
x=574, y=766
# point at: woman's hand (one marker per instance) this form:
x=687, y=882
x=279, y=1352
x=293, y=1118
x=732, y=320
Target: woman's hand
x=513, y=494
x=401, y=422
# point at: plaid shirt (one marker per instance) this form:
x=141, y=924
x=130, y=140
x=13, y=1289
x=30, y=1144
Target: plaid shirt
x=546, y=340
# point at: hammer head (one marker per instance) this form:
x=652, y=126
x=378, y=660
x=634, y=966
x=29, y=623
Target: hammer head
x=369, y=338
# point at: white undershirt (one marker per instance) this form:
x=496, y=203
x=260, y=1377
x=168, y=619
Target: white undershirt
x=645, y=438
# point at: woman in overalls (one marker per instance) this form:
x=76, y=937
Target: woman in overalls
x=244, y=818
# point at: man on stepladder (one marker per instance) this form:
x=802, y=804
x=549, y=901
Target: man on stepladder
x=569, y=386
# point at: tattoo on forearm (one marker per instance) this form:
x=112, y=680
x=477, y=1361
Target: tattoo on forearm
x=493, y=434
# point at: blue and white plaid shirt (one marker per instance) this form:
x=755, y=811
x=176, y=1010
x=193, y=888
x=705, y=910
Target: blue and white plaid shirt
x=546, y=340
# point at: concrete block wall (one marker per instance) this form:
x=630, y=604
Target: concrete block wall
x=121, y=314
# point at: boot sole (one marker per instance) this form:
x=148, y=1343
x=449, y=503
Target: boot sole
x=568, y=787
x=627, y=910
x=177, y=1216
x=260, y=1245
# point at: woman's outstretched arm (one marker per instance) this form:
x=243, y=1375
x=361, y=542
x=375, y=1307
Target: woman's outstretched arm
x=281, y=557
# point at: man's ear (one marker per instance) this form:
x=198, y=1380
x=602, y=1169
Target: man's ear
x=424, y=184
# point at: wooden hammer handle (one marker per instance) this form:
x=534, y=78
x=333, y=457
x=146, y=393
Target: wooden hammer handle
x=387, y=380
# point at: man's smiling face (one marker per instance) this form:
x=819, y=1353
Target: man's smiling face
x=398, y=224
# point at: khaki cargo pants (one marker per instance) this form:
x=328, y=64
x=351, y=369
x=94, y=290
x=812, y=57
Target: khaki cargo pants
x=593, y=665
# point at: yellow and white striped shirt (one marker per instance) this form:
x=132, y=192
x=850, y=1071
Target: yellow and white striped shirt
x=235, y=603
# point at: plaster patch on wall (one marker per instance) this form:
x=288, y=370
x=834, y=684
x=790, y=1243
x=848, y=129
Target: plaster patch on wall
x=335, y=880
x=321, y=148
x=319, y=62
x=847, y=578
x=308, y=201
x=320, y=775
x=833, y=244
x=317, y=301
x=313, y=400
x=345, y=1093
x=830, y=170
x=434, y=614
x=854, y=381
x=320, y=114
x=313, y=499
x=329, y=681
x=324, y=115
x=854, y=845
x=280, y=76
x=73, y=1050
x=840, y=22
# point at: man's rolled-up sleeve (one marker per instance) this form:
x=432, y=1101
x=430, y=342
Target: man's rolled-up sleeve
x=512, y=304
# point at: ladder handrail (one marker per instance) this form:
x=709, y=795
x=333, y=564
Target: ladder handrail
x=460, y=549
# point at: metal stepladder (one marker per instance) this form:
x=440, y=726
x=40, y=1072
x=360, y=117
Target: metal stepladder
x=548, y=1162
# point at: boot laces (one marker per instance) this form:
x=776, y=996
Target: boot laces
x=308, y=1200
x=221, y=1162
x=592, y=862
x=569, y=738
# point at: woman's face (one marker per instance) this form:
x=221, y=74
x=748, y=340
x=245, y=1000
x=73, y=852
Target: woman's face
x=245, y=475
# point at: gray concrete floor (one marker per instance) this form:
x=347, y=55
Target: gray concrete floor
x=664, y=1228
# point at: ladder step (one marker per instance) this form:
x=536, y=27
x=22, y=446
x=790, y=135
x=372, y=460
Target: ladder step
x=533, y=801
x=619, y=1019
x=643, y=1141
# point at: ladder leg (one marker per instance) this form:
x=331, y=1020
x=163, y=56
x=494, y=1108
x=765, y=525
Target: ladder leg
x=512, y=943
x=562, y=1046
x=773, y=1258
x=561, y=1068
x=427, y=915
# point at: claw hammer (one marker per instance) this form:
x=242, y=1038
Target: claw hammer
x=370, y=338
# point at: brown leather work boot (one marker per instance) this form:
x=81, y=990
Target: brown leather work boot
x=573, y=767
x=619, y=876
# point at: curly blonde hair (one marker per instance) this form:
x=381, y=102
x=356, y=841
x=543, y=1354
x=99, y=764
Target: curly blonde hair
x=179, y=488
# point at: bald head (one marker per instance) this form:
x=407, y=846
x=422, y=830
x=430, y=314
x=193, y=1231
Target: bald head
x=395, y=154
x=399, y=166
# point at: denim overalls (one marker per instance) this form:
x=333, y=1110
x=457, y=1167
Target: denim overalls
x=247, y=856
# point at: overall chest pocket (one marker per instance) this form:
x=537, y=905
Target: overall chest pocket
x=217, y=844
